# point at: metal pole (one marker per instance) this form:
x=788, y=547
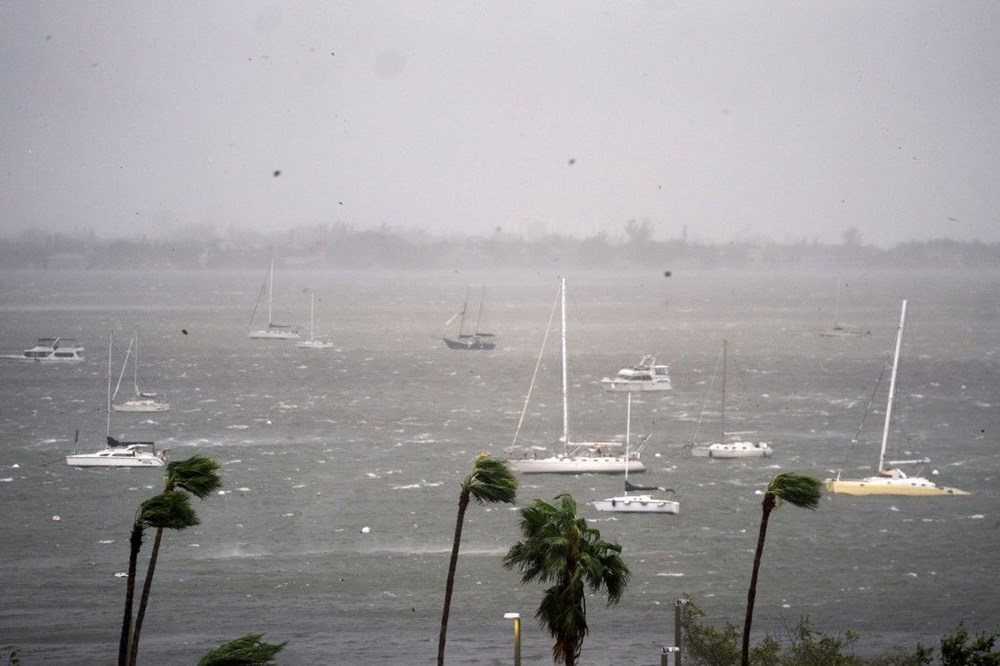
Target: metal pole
x=516, y=617
x=677, y=630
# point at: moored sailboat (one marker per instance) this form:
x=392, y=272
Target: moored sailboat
x=476, y=340
x=273, y=331
x=642, y=502
x=118, y=453
x=581, y=457
x=140, y=401
x=889, y=479
x=730, y=448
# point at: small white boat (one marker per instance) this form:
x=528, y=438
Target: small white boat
x=273, y=331
x=49, y=350
x=587, y=457
x=646, y=375
x=313, y=342
x=139, y=402
x=118, y=453
x=730, y=448
x=642, y=503
x=889, y=479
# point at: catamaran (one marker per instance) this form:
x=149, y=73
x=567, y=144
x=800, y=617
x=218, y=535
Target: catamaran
x=118, y=453
x=606, y=457
x=889, y=479
x=273, y=331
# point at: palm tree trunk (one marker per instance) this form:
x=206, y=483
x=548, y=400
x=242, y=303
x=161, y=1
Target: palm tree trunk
x=463, y=503
x=135, y=543
x=766, y=507
x=147, y=585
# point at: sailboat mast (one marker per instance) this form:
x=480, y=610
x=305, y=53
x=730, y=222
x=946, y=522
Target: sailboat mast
x=892, y=388
x=312, y=313
x=725, y=350
x=479, y=315
x=110, y=339
x=562, y=290
x=135, y=363
x=628, y=432
x=465, y=306
x=270, y=292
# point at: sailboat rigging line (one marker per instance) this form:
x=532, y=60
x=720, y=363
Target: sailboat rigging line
x=124, y=365
x=868, y=409
x=260, y=295
x=708, y=393
x=538, y=364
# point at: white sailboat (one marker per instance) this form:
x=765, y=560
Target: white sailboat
x=139, y=402
x=889, y=479
x=273, y=331
x=730, y=448
x=641, y=503
x=313, y=342
x=838, y=330
x=606, y=457
x=118, y=453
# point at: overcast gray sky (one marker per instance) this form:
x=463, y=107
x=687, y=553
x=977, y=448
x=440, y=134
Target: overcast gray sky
x=739, y=120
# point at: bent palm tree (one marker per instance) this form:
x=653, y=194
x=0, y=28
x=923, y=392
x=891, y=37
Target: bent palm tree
x=559, y=547
x=795, y=489
x=170, y=509
x=196, y=476
x=490, y=481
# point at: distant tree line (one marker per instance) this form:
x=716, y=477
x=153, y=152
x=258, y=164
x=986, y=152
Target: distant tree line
x=340, y=245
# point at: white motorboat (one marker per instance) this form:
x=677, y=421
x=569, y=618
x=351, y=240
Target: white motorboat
x=313, y=342
x=273, y=331
x=598, y=457
x=140, y=401
x=729, y=447
x=49, y=350
x=118, y=453
x=476, y=340
x=889, y=479
x=646, y=375
x=642, y=502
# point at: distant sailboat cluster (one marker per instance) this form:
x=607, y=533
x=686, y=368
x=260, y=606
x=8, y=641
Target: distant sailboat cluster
x=285, y=331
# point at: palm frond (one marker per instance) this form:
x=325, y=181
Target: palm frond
x=246, y=650
x=197, y=475
x=491, y=481
x=796, y=489
x=168, y=510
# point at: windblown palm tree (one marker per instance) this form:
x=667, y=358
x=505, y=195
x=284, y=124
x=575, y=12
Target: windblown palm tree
x=559, y=547
x=171, y=509
x=490, y=481
x=795, y=489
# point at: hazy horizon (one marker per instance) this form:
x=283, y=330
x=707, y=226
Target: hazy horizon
x=720, y=121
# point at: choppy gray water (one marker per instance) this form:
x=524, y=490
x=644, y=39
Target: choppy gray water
x=378, y=432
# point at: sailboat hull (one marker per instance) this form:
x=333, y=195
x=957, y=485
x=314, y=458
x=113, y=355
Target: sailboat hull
x=141, y=405
x=637, y=504
x=733, y=450
x=577, y=465
x=879, y=485
x=274, y=335
x=471, y=342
